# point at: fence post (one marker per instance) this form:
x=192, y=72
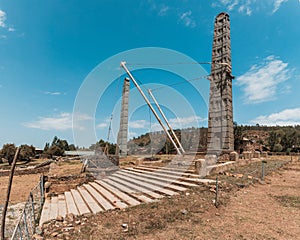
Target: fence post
x=33, y=212
x=217, y=192
x=20, y=231
x=25, y=223
x=263, y=170
x=42, y=190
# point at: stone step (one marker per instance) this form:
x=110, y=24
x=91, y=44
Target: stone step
x=173, y=172
x=79, y=202
x=144, y=184
x=131, y=192
x=164, y=177
x=62, y=207
x=122, y=189
x=126, y=198
x=117, y=202
x=91, y=202
x=136, y=188
x=71, y=206
x=159, y=183
x=106, y=205
x=45, y=215
x=172, y=169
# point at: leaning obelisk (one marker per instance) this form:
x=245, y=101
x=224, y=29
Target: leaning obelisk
x=123, y=131
x=220, y=120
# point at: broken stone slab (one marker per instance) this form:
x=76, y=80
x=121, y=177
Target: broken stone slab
x=200, y=167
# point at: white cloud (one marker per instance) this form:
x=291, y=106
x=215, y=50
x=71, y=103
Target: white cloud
x=139, y=124
x=277, y=4
x=261, y=81
x=53, y=93
x=2, y=18
x=187, y=20
x=185, y=122
x=287, y=117
x=102, y=125
x=182, y=122
x=11, y=29
x=163, y=10
x=60, y=122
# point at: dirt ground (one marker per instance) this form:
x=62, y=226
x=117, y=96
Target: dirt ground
x=246, y=210
x=21, y=187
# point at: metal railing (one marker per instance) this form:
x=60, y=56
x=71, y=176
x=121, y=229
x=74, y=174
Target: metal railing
x=31, y=213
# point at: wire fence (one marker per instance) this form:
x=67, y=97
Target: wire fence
x=29, y=219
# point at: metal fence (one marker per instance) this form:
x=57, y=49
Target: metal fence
x=30, y=215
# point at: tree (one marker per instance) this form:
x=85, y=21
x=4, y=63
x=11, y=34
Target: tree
x=47, y=146
x=72, y=147
x=277, y=147
x=55, y=151
x=57, y=148
x=238, y=135
x=26, y=152
x=8, y=151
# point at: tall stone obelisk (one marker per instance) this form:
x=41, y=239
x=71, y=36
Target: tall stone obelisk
x=220, y=120
x=123, y=131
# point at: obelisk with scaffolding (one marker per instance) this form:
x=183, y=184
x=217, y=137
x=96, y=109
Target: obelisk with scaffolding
x=220, y=119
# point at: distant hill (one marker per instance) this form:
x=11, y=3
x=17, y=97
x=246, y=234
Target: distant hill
x=272, y=138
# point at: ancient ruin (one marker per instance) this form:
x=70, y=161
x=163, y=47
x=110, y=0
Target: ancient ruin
x=123, y=132
x=220, y=120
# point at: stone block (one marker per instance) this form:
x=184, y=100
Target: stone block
x=200, y=167
x=138, y=162
x=233, y=156
x=256, y=154
x=264, y=155
x=210, y=159
x=247, y=155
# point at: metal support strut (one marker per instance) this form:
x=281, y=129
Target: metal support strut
x=150, y=106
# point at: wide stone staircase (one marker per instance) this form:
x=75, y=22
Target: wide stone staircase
x=124, y=188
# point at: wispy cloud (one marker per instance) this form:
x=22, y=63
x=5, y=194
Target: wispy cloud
x=163, y=10
x=53, y=93
x=180, y=122
x=248, y=6
x=260, y=82
x=287, y=117
x=102, y=125
x=2, y=18
x=187, y=19
x=11, y=29
x=277, y=4
x=60, y=122
x=139, y=124
x=183, y=16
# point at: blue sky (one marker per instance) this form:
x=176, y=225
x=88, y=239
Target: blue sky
x=49, y=48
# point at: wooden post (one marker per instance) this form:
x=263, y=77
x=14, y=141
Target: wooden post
x=8, y=193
